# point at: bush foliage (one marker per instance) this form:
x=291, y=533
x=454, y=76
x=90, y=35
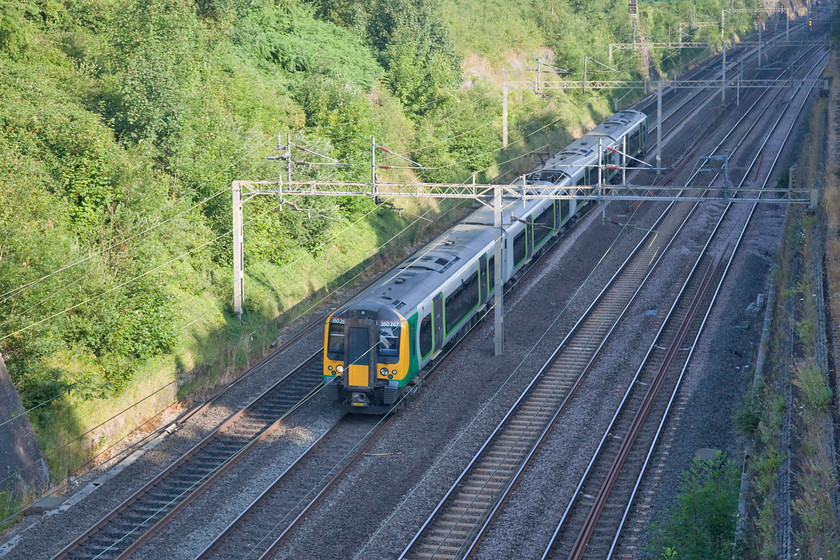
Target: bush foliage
x=123, y=123
x=702, y=524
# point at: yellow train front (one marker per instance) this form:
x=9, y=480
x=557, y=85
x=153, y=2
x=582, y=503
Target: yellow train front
x=367, y=358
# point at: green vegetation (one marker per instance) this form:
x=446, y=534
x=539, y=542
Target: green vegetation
x=702, y=524
x=793, y=372
x=123, y=123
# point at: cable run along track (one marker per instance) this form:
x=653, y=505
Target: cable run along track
x=458, y=522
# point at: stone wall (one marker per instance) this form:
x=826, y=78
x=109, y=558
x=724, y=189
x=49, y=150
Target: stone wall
x=21, y=464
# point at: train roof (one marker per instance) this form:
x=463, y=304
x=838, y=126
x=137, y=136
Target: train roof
x=423, y=274
x=420, y=275
x=617, y=124
x=580, y=153
x=576, y=155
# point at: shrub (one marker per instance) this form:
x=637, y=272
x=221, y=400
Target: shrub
x=702, y=525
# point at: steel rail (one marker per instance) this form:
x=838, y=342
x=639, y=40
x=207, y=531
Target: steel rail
x=651, y=255
x=585, y=533
x=344, y=462
x=448, y=494
x=747, y=222
x=459, y=481
x=582, y=540
x=713, y=66
x=493, y=513
x=121, y=530
x=256, y=531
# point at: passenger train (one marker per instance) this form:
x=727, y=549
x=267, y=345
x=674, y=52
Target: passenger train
x=378, y=342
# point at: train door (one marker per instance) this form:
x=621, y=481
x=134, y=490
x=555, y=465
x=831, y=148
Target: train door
x=530, y=242
x=360, y=353
x=482, y=282
x=437, y=312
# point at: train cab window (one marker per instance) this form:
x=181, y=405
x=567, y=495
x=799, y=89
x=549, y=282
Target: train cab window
x=335, y=342
x=389, y=343
x=460, y=302
x=519, y=247
x=426, y=335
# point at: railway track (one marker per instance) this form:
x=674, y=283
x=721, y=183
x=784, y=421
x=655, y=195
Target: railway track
x=638, y=419
x=260, y=529
x=681, y=106
x=256, y=531
x=122, y=530
x=583, y=531
x=452, y=530
x=456, y=525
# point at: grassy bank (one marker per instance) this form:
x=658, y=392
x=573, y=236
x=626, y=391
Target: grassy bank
x=792, y=465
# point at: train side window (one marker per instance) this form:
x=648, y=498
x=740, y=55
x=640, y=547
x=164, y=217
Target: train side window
x=519, y=247
x=564, y=209
x=543, y=225
x=426, y=335
x=335, y=342
x=460, y=302
x=633, y=142
x=491, y=273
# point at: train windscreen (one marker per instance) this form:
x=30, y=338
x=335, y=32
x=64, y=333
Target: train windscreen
x=389, y=342
x=335, y=342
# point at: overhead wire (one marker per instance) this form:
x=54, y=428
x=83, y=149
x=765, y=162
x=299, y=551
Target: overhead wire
x=477, y=416
x=210, y=242
x=121, y=284
x=156, y=391
x=195, y=249
x=171, y=334
x=13, y=292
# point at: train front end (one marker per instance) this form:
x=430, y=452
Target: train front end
x=366, y=358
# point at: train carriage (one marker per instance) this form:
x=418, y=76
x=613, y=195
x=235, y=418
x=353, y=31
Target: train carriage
x=378, y=342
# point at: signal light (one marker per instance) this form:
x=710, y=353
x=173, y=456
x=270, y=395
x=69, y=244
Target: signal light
x=810, y=23
x=757, y=17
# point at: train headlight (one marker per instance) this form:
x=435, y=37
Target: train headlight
x=339, y=369
x=394, y=372
x=383, y=372
x=329, y=368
